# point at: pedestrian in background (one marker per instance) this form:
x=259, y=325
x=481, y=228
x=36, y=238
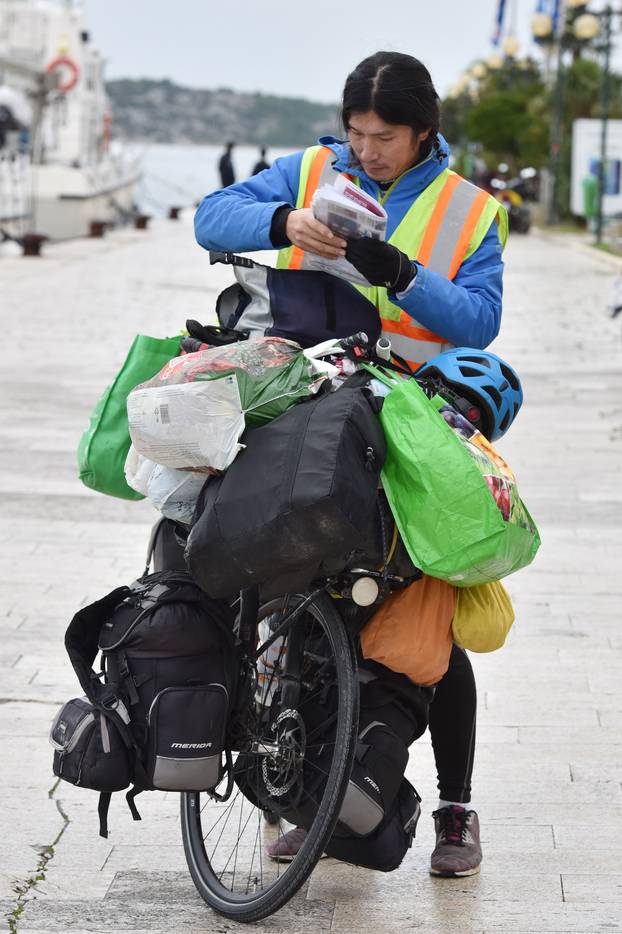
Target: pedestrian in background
x=262, y=164
x=225, y=167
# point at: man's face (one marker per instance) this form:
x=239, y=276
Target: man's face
x=385, y=150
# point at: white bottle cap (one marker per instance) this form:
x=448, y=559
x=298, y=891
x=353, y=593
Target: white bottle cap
x=383, y=348
x=365, y=591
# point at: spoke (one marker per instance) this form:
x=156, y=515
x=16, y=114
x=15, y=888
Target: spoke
x=260, y=855
x=240, y=833
x=223, y=828
x=235, y=862
x=223, y=814
x=250, y=871
x=317, y=768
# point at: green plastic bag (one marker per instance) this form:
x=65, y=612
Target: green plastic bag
x=454, y=499
x=264, y=399
x=104, y=445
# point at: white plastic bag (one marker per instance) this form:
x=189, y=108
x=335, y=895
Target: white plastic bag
x=174, y=493
x=138, y=470
x=189, y=424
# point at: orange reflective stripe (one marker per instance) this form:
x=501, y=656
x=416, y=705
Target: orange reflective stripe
x=406, y=328
x=314, y=174
x=431, y=231
x=296, y=258
x=467, y=232
x=313, y=180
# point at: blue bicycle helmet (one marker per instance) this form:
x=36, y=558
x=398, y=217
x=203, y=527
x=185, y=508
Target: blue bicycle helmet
x=484, y=381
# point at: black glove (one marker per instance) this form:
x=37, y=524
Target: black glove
x=381, y=263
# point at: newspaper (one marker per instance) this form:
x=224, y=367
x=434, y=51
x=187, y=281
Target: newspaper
x=351, y=213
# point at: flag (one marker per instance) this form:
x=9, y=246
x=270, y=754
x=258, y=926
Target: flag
x=498, y=28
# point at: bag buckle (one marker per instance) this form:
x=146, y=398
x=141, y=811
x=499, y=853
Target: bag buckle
x=230, y=259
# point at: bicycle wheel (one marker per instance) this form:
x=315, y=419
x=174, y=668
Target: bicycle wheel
x=278, y=761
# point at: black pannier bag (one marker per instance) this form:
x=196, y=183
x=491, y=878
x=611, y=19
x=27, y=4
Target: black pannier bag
x=158, y=719
x=89, y=749
x=385, y=848
x=298, y=498
x=297, y=304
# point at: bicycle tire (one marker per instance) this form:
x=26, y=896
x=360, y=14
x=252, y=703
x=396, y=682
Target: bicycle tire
x=256, y=906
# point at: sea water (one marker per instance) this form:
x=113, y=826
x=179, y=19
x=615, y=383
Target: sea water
x=181, y=175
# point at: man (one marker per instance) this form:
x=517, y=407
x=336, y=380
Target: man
x=225, y=167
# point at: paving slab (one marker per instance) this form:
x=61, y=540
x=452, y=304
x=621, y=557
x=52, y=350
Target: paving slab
x=549, y=753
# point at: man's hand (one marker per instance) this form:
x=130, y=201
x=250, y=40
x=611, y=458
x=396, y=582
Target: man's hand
x=381, y=263
x=304, y=231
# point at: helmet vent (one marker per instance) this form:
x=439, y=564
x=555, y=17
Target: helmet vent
x=510, y=375
x=505, y=422
x=494, y=395
x=469, y=371
x=481, y=361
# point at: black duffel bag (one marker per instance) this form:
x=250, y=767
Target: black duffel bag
x=295, y=503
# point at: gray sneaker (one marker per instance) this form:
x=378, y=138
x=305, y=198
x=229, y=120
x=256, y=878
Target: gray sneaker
x=458, y=851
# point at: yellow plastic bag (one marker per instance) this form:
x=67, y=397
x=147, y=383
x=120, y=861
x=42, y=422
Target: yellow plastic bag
x=411, y=632
x=483, y=617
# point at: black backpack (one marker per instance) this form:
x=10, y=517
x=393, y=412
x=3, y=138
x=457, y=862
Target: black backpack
x=301, y=305
x=158, y=718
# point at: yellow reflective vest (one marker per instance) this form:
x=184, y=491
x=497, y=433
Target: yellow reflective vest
x=443, y=227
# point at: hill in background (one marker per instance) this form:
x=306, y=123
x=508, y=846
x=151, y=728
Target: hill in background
x=164, y=112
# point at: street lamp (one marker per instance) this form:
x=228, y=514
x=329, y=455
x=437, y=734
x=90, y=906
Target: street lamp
x=578, y=28
x=606, y=16
x=586, y=27
x=510, y=46
x=541, y=25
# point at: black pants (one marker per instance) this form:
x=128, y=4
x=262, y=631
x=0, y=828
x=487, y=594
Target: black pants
x=452, y=728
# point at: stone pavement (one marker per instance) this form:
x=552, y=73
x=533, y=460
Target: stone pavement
x=549, y=752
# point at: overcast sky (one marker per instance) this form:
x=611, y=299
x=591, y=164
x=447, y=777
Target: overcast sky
x=285, y=48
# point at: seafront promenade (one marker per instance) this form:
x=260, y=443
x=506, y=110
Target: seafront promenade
x=548, y=776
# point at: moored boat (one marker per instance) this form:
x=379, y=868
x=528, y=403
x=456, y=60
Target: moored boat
x=60, y=168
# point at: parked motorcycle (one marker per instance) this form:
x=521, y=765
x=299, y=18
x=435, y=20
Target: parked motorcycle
x=513, y=194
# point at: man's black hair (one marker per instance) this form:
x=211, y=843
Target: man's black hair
x=399, y=89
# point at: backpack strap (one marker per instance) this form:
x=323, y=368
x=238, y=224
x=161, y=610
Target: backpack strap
x=128, y=680
x=141, y=779
x=104, y=806
x=102, y=810
x=131, y=794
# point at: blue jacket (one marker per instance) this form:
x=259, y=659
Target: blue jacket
x=466, y=312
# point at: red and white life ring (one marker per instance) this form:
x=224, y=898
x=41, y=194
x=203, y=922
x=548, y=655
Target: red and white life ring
x=69, y=65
